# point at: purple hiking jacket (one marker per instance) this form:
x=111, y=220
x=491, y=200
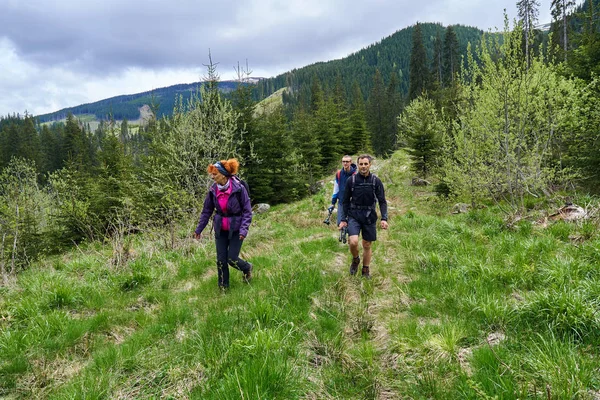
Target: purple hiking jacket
x=239, y=213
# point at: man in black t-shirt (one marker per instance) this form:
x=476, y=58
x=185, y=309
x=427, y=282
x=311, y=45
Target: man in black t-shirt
x=363, y=191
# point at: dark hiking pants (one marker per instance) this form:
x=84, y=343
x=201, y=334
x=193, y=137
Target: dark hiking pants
x=228, y=254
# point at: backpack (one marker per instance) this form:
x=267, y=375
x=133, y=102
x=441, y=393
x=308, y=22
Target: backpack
x=373, y=179
x=244, y=184
x=339, y=174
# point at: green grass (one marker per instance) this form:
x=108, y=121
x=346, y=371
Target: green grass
x=460, y=306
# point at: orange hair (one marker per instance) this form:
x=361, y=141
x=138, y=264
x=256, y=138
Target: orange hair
x=232, y=166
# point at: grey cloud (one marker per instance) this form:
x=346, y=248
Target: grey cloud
x=95, y=39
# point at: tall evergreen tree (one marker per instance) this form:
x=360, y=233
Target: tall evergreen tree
x=307, y=144
x=393, y=109
x=560, y=10
x=528, y=11
x=75, y=146
x=376, y=115
x=317, y=98
x=360, y=135
x=437, y=63
x=422, y=130
x=419, y=73
x=341, y=127
x=246, y=132
x=451, y=59
x=585, y=62
x=281, y=177
x=327, y=129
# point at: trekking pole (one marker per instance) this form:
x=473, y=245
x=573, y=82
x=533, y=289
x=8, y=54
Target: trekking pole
x=343, y=233
x=330, y=209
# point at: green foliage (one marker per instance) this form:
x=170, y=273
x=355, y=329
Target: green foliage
x=22, y=217
x=508, y=142
x=282, y=175
x=200, y=132
x=421, y=129
x=460, y=306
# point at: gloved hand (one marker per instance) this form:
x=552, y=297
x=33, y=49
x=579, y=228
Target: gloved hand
x=330, y=208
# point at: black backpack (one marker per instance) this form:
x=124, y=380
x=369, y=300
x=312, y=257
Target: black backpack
x=244, y=184
x=373, y=181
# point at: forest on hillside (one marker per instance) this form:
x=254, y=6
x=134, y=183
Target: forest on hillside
x=510, y=118
x=390, y=54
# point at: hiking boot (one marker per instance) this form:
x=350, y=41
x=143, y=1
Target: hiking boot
x=248, y=274
x=354, y=265
x=365, y=273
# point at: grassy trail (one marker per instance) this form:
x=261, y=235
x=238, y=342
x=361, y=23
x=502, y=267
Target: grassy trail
x=459, y=306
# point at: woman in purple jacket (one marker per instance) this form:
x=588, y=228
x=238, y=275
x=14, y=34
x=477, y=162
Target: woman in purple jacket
x=228, y=198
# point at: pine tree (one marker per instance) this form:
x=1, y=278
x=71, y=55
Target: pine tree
x=307, y=144
x=376, y=115
x=317, y=98
x=393, y=109
x=560, y=27
x=360, y=135
x=75, y=146
x=585, y=62
x=246, y=133
x=280, y=180
x=421, y=128
x=451, y=58
x=341, y=127
x=437, y=63
x=528, y=11
x=419, y=73
x=327, y=129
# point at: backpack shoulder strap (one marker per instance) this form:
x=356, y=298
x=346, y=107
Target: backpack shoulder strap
x=339, y=172
x=373, y=182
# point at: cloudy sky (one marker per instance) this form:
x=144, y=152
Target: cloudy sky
x=62, y=53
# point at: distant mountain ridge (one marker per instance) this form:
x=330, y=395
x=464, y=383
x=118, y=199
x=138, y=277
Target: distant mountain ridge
x=391, y=54
x=128, y=106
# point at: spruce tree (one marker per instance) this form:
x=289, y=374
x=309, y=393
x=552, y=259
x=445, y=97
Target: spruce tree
x=451, y=58
x=560, y=10
x=377, y=120
x=75, y=146
x=422, y=128
x=280, y=180
x=246, y=133
x=437, y=63
x=307, y=144
x=419, y=73
x=341, y=125
x=393, y=109
x=360, y=135
x=528, y=11
x=327, y=128
x=585, y=62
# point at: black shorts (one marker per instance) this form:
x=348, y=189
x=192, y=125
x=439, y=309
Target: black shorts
x=369, y=231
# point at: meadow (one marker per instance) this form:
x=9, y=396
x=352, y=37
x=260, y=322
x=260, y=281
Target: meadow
x=472, y=305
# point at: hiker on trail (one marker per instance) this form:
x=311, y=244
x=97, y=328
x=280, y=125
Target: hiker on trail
x=363, y=191
x=229, y=199
x=339, y=185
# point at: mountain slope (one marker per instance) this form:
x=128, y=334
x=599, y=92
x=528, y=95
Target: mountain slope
x=390, y=54
x=128, y=106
